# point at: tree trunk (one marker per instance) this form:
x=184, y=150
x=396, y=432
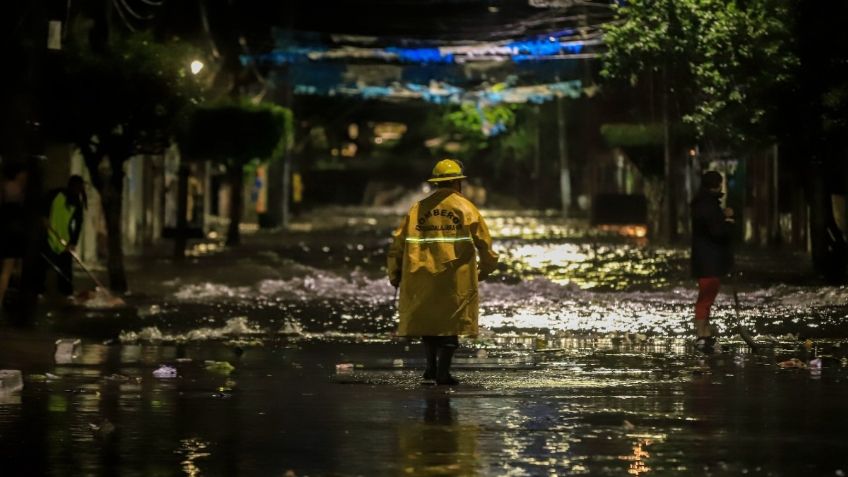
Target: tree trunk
x=180, y=239
x=236, y=176
x=669, y=210
x=564, y=171
x=774, y=214
x=537, y=157
x=287, y=192
x=111, y=197
x=654, y=192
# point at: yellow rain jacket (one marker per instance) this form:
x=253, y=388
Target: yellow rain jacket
x=434, y=257
x=64, y=222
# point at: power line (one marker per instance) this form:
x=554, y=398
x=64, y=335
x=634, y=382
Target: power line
x=123, y=17
x=134, y=13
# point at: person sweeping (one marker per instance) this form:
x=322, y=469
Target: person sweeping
x=433, y=258
x=712, y=254
x=64, y=224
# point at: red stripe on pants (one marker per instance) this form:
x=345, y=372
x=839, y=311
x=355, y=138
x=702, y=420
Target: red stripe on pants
x=707, y=292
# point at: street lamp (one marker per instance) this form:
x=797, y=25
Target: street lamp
x=196, y=66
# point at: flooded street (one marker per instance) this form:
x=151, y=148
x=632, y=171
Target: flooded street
x=286, y=364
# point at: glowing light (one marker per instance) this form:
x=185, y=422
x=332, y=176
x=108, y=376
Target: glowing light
x=349, y=150
x=196, y=66
x=453, y=147
x=390, y=131
x=637, y=231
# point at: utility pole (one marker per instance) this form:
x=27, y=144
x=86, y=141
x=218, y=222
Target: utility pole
x=669, y=210
x=537, y=157
x=564, y=172
x=288, y=102
x=181, y=234
x=774, y=216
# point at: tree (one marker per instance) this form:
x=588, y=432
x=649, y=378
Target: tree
x=721, y=58
x=718, y=62
x=235, y=134
x=502, y=140
x=126, y=98
x=813, y=121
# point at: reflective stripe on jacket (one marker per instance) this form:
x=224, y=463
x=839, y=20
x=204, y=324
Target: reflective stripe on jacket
x=434, y=254
x=60, y=220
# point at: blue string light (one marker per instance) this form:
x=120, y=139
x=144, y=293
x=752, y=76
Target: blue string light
x=535, y=47
x=421, y=55
x=302, y=50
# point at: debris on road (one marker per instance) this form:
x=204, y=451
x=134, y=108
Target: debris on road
x=66, y=350
x=792, y=363
x=165, y=372
x=10, y=381
x=344, y=368
x=219, y=367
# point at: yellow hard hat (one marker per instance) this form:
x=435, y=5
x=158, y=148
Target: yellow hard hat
x=447, y=170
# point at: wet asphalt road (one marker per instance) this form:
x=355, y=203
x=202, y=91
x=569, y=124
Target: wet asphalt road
x=585, y=367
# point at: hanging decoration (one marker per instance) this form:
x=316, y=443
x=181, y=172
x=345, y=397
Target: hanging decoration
x=552, y=48
x=481, y=73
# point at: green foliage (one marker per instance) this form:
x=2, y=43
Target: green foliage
x=469, y=126
x=518, y=141
x=835, y=108
x=237, y=133
x=126, y=100
x=642, y=134
x=722, y=59
x=624, y=135
x=495, y=153
x=470, y=123
x=649, y=35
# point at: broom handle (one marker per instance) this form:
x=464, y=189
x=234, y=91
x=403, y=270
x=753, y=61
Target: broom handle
x=82, y=265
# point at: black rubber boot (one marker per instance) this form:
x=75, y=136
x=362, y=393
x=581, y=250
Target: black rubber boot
x=705, y=344
x=443, y=375
x=430, y=350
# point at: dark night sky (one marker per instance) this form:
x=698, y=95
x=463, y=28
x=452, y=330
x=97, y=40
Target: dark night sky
x=429, y=20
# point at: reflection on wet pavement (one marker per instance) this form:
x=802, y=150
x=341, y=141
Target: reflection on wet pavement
x=286, y=365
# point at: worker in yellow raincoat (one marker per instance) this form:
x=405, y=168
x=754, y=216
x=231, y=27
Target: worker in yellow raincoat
x=434, y=260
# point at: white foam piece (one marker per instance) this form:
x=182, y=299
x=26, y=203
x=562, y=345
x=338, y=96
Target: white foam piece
x=66, y=349
x=11, y=381
x=165, y=372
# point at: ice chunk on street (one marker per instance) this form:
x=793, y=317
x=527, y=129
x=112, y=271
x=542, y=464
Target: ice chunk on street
x=10, y=381
x=165, y=372
x=66, y=349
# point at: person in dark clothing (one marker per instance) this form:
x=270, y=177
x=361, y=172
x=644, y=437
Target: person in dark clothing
x=64, y=224
x=712, y=255
x=12, y=222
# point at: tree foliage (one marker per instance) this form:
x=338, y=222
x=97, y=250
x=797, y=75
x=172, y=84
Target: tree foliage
x=724, y=60
x=479, y=122
x=480, y=127
x=624, y=135
x=235, y=133
x=129, y=99
x=124, y=98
